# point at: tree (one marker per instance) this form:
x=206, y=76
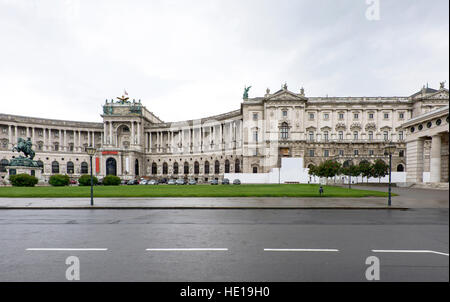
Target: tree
x=366, y=169
x=350, y=171
x=329, y=168
x=312, y=170
x=380, y=169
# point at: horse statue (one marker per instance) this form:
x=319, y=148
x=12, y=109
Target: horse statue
x=25, y=146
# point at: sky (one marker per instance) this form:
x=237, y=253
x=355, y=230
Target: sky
x=190, y=59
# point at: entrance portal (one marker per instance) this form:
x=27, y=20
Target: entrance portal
x=111, y=166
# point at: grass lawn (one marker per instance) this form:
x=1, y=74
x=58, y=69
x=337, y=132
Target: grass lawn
x=284, y=190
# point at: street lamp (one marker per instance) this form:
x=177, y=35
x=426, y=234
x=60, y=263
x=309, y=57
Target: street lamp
x=91, y=151
x=389, y=149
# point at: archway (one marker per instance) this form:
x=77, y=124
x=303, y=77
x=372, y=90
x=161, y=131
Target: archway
x=400, y=168
x=111, y=166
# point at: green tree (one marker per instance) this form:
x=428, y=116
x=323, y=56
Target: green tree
x=366, y=169
x=329, y=168
x=350, y=171
x=380, y=169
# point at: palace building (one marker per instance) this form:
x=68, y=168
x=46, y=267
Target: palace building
x=133, y=142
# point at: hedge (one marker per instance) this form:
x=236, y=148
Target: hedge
x=85, y=180
x=111, y=180
x=59, y=180
x=23, y=180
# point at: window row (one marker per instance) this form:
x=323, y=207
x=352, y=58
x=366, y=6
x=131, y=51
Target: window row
x=196, y=167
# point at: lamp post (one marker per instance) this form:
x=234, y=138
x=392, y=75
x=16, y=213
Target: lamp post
x=91, y=151
x=389, y=149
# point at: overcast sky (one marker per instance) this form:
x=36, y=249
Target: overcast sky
x=192, y=58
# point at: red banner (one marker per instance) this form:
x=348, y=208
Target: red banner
x=97, y=165
x=110, y=152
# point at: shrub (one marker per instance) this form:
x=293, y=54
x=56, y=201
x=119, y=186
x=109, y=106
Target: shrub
x=23, y=180
x=59, y=180
x=111, y=180
x=85, y=180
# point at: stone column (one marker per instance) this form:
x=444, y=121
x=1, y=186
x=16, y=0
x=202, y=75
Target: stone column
x=11, y=143
x=414, y=161
x=33, y=136
x=105, y=125
x=110, y=133
x=61, y=148
x=80, y=147
x=50, y=139
x=89, y=138
x=435, y=159
x=132, y=134
x=65, y=140
x=138, y=133
x=45, y=139
x=150, y=143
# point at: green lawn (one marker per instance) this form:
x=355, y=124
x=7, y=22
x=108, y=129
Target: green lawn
x=284, y=190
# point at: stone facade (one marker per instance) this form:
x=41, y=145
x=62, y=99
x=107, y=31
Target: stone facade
x=133, y=142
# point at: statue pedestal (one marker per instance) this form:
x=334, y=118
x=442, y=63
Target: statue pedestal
x=33, y=171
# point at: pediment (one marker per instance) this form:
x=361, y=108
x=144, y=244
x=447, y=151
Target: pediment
x=439, y=95
x=285, y=95
x=341, y=126
x=371, y=126
x=355, y=126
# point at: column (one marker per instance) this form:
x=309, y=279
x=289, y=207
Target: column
x=132, y=134
x=150, y=138
x=89, y=138
x=60, y=141
x=138, y=133
x=28, y=132
x=45, y=139
x=10, y=137
x=65, y=140
x=80, y=147
x=33, y=135
x=435, y=159
x=110, y=133
x=49, y=139
x=105, y=125
x=93, y=139
x=414, y=161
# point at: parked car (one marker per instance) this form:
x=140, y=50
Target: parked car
x=133, y=182
x=123, y=182
x=214, y=182
x=225, y=181
x=73, y=182
x=192, y=182
x=180, y=181
x=143, y=182
x=172, y=182
x=163, y=180
x=236, y=182
x=152, y=182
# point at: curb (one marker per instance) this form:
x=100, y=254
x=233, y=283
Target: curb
x=203, y=208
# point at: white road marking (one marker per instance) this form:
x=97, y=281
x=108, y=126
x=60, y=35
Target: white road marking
x=301, y=250
x=187, y=249
x=410, y=251
x=66, y=249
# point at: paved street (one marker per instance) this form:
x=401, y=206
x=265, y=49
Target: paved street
x=225, y=245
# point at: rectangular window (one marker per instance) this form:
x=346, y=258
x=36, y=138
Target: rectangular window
x=341, y=152
x=371, y=116
x=311, y=136
x=355, y=136
x=341, y=135
x=370, y=135
x=325, y=136
x=311, y=116
x=311, y=153
x=255, y=136
x=401, y=153
x=386, y=135
x=401, y=115
x=356, y=152
x=255, y=116
x=284, y=113
x=355, y=116
x=341, y=116
x=386, y=116
x=326, y=153
x=400, y=135
x=4, y=130
x=371, y=152
x=326, y=116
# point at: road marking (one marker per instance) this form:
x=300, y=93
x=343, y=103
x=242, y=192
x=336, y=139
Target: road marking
x=187, y=249
x=301, y=250
x=410, y=251
x=66, y=249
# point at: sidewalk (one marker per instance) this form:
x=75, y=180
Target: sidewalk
x=203, y=203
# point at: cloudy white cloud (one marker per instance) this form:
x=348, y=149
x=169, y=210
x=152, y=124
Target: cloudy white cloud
x=192, y=58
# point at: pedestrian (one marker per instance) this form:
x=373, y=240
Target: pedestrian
x=321, y=191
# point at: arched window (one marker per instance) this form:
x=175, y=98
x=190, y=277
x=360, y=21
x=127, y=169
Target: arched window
x=196, y=168
x=175, y=168
x=206, y=167
x=347, y=163
x=284, y=130
x=255, y=170
x=3, y=164
x=55, y=167
x=237, y=166
x=227, y=166
x=186, y=167
x=154, y=169
x=40, y=164
x=84, y=168
x=165, y=169
x=400, y=168
x=70, y=167
x=216, y=167
x=56, y=147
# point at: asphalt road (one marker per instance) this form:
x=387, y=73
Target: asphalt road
x=331, y=245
